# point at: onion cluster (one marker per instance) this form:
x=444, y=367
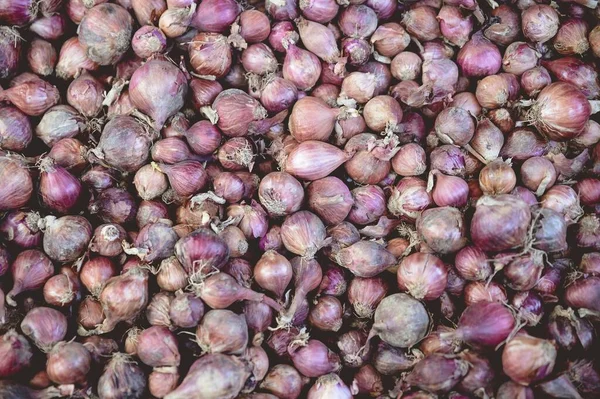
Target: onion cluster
x=320, y=199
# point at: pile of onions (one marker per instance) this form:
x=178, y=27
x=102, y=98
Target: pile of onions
x=291, y=199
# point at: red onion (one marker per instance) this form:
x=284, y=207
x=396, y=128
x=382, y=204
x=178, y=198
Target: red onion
x=484, y=324
x=157, y=347
x=186, y=310
x=400, y=321
x=330, y=198
x=49, y=27
x=259, y=59
x=519, y=57
x=370, y=162
x=312, y=119
x=105, y=33
x=278, y=94
x=95, y=273
x=68, y=363
x=530, y=307
x=381, y=113
x=171, y=275
x=300, y=67
x=123, y=298
x=587, y=235
x=507, y=29
x=174, y=23
x=448, y=159
x=365, y=258
x=215, y=375
x=356, y=51
x=521, y=144
x=45, y=327
x=471, y=263
x=62, y=289
x=454, y=26
x=318, y=39
x=33, y=97
x=500, y=223
x=148, y=12
x=574, y=71
x=18, y=12
x=390, y=39
x=497, y=177
x=121, y=377
x=284, y=381
x=282, y=32
x=16, y=352
x=21, y=228
x=15, y=129
x=314, y=359
x=410, y=160
x=571, y=38
x=368, y=204
x=584, y=293
x=358, y=21
x=421, y=22
x=201, y=251
x=438, y=373
x=124, y=144
x=210, y=55
x=158, y=101
x=409, y=197
x=222, y=331
x=148, y=40
x=442, y=229
x=41, y=57
x=273, y=272
x=534, y=80
x=254, y=26
x=221, y=290
x=59, y=189
x=526, y=359
x=496, y=91
x=540, y=23
x=479, y=57
x=424, y=276
x=313, y=160
x=72, y=59
x=326, y=315
x=548, y=113
x=203, y=137
x=329, y=386
x=215, y=15
x=59, y=122
x=114, y=205
x=30, y=270
x=479, y=291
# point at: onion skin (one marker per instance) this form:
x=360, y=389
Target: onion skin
x=559, y=121
x=213, y=376
x=16, y=352
x=526, y=359
x=400, y=321
x=492, y=213
x=158, y=101
x=105, y=32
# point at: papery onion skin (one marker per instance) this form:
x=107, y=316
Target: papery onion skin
x=560, y=121
x=105, y=32
x=492, y=213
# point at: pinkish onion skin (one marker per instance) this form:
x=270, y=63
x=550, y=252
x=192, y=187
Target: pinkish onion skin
x=158, y=101
x=16, y=352
x=44, y=326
